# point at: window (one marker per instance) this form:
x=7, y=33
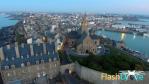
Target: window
x=22, y=65
x=38, y=74
x=22, y=57
x=53, y=52
x=8, y=74
x=8, y=46
x=12, y=66
x=27, y=56
x=42, y=61
x=38, y=44
x=22, y=45
x=87, y=51
x=12, y=58
x=6, y=59
x=28, y=63
x=55, y=59
x=49, y=59
x=41, y=54
x=36, y=54
x=43, y=73
x=37, y=62
x=6, y=67
x=95, y=42
x=48, y=53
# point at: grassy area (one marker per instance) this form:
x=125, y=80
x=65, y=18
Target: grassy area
x=113, y=62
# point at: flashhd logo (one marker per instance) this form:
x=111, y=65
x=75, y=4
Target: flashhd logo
x=124, y=75
x=132, y=75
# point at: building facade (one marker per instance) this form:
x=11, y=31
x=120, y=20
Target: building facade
x=23, y=64
x=83, y=41
x=87, y=46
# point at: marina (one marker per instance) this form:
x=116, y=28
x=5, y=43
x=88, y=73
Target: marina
x=134, y=43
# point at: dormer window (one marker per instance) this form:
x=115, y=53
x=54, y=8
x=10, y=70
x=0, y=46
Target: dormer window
x=38, y=44
x=95, y=42
x=53, y=52
x=49, y=59
x=22, y=65
x=12, y=58
x=6, y=59
x=8, y=46
x=8, y=74
x=41, y=54
x=37, y=62
x=22, y=45
x=22, y=57
x=28, y=63
x=36, y=54
x=43, y=73
x=27, y=56
x=12, y=66
x=48, y=53
x=42, y=61
x=38, y=75
x=16, y=43
x=6, y=67
x=54, y=59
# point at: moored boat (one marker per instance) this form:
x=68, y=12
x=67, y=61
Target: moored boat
x=146, y=35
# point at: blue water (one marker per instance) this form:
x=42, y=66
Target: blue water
x=138, y=43
x=4, y=21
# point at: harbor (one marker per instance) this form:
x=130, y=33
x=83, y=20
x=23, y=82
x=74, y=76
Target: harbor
x=5, y=21
x=134, y=44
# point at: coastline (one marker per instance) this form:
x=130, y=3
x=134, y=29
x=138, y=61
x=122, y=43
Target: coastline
x=122, y=31
x=134, y=52
x=11, y=20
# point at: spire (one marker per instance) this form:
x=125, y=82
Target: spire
x=84, y=24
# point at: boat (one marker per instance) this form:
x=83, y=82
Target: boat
x=104, y=36
x=146, y=35
x=134, y=35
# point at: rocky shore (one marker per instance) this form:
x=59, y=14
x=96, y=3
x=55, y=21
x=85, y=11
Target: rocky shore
x=8, y=35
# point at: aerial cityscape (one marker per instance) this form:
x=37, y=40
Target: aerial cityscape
x=74, y=42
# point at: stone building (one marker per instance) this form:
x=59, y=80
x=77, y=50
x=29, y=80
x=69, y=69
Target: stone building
x=87, y=45
x=83, y=41
x=28, y=63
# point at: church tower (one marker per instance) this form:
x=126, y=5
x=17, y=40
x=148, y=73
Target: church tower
x=84, y=24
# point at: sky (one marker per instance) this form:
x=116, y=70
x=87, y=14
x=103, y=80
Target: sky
x=92, y=6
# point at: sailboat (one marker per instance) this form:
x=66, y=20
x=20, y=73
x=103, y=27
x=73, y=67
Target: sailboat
x=146, y=34
x=134, y=35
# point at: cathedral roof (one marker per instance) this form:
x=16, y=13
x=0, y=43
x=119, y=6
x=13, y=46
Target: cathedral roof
x=94, y=37
x=74, y=35
x=83, y=36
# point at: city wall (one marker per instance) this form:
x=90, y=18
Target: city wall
x=70, y=67
x=94, y=76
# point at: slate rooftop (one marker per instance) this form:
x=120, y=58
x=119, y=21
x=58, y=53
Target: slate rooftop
x=26, y=54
